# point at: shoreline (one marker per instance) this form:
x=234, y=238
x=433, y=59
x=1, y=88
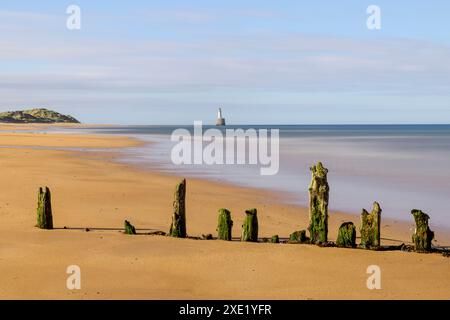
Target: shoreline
x=120, y=142
x=357, y=177
x=282, y=197
x=90, y=189
x=116, y=143
x=279, y=198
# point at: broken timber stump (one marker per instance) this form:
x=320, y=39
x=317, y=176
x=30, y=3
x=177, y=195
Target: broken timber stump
x=318, y=204
x=224, y=225
x=178, y=227
x=129, y=228
x=250, y=226
x=422, y=236
x=370, y=227
x=346, y=235
x=44, y=209
x=298, y=237
x=275, y=239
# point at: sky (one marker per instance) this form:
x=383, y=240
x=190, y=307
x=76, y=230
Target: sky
x=262, y=61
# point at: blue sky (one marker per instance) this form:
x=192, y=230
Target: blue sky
x=173, y=62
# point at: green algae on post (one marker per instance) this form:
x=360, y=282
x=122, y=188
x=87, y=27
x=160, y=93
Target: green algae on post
x=370, y=227
x=346, y=235
x=318, y=204
x=224, y=225
x=422, y=236
x=275, y=239
x=178, y=226
x=250, y=226
x=129, y=228
x=298, y=237
x=44, y=209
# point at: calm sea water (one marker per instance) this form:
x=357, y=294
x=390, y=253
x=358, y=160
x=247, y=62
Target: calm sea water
x=401, y=166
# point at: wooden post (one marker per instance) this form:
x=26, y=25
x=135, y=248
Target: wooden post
x=178, y=227
x=129, y=228
x=346, y=235
x=224, y=225
x=44, y=209
x=298, y=237
x=422, y=236
x=370, y=227
x=318, y=204
x=250, y=226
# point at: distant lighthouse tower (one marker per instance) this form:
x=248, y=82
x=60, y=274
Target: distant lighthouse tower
x=220, y=120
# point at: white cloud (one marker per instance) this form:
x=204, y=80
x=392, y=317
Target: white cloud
x=37, y=62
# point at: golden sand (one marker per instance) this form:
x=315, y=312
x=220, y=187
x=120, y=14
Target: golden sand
x=89, y=190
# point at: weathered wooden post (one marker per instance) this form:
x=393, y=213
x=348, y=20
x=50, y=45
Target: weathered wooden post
x=44, y=209
x=129, y=228
x=370, y=227
x=298, y=237
x=224, y=225
x=178, y=227
x=422, y=236
x=275, y=239
x=250, y=226
x=318, y=204
x=346, y=235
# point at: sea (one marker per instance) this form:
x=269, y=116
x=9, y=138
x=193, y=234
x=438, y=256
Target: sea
x=403, y=167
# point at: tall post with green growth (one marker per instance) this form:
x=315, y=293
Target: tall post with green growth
x=346, y=235
x=370, y=227
x=178, y=227
x=318, y=204
x=44, y=209
x=224, y=225
x=422, y=236
x=250, y=226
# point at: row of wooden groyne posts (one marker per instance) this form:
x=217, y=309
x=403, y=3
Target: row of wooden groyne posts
x=370, y=230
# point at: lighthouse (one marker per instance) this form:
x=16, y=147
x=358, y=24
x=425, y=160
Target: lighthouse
x=220, y=120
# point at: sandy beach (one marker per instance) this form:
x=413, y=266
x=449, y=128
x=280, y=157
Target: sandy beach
x=91, y=190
